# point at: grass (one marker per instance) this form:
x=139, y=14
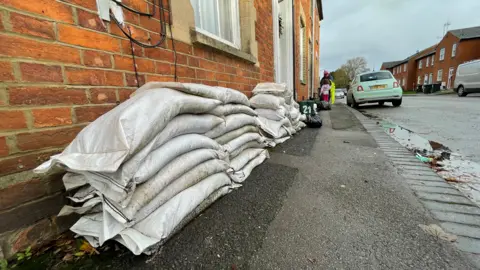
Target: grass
x=406, y=93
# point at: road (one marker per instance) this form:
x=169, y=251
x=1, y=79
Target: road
x=448, y=119
x=326, y=199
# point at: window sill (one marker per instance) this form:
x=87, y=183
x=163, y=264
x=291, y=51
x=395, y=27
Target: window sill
x=200, y=38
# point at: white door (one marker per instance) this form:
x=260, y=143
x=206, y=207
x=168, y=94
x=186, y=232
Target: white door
x=450, y=78
x=283, y=42
x=430, y=78
x=425, y=79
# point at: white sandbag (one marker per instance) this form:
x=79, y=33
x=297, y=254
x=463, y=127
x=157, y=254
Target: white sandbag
x=274, y=128
x=227, y=109
x=240, y=176
x=278, y=89
x=275, y=115
x=117, y=135
x=163, y=221
x=73, y=181
x=294, y=114
x=303, y=117
x=174, y=148
x=232, y=122
x=263, y=101
x=225, y=95
x=302, y=125
x=242, y=140
x=252, y=144
x=117, y=184
x=139, y=243
x=237, y=163
x=225, y=138
x=84, y=193
x=148, y=190
x=185, y=181
x=85, y=208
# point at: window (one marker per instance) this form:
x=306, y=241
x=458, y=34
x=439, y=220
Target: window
x=420, y=64
x=454, y=50
x=375, y=76
x=430, y=78
x=303, y=55
x=394, y=71
x=218, y=19
x=419, y=80
x=405, y=68
x=442, y=54
x=428, y=61
x=439, y=75
x=433, y=59
x=403, y=82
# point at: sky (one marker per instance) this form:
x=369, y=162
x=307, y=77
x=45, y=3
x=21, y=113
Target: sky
x=388, y=30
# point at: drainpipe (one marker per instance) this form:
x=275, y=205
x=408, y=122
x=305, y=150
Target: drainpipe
x=294, y=60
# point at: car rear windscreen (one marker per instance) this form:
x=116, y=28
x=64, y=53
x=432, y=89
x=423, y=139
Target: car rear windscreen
x=375, y=76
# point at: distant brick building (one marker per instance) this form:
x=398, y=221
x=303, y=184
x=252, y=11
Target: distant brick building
x=438, y=64
x=62, y=66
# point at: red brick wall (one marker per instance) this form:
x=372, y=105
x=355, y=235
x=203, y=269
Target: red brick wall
x=426, y=70
x=304, y=7
x=62, y=67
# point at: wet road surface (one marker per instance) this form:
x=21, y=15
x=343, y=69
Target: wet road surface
x=448, y=119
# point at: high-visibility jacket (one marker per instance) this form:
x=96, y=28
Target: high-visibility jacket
x=332, y=93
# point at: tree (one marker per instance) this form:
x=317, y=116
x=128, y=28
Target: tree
x=355, y=66
x=340, y=78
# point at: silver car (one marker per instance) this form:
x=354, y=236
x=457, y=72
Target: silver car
x=467, y=79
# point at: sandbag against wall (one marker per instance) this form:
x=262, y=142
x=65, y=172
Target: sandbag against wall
x=126, y=129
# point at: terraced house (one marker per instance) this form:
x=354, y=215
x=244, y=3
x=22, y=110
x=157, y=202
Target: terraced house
x=437, y=65
x=66, y=62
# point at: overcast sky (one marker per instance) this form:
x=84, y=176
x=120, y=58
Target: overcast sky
x=388, y=30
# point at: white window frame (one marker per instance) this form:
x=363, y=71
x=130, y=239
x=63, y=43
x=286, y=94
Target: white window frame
x=235, y=9
x=303, y=32
x=405, y=68
x=394, y=71
x=454, y=50
x=420, y=64
x=428, y=62
x=403, y=82
x=419, y=79
x=433, y=60
x=439, y=75
x=442, y=54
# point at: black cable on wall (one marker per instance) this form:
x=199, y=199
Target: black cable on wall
x=162, y=33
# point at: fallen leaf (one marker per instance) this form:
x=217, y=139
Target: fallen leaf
x=79, y=254
x=87, y=248
x=437, y=231
x=452, y=179
x=68, y=257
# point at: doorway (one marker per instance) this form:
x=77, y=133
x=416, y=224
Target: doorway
x=283, y=42
x=450, y=78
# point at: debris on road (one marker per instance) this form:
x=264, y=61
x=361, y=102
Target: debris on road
x=437, y=231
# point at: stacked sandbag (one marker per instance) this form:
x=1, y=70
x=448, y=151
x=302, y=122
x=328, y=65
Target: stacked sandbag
x=144, y=168
x=279, y=114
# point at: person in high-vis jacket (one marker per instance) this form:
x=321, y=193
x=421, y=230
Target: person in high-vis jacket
x=332, y=92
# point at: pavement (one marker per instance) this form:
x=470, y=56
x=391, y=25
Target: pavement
x=451, y=120
x=329, y=198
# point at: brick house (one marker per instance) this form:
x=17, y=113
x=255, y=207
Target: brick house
x=438, y=64
x=456, y=47
x=62, y=66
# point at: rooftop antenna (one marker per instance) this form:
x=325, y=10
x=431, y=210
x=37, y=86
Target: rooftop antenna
x=445, y=27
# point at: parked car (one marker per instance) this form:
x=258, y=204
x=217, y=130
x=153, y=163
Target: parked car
x=339, y=93
x=467, y=79
x=374, y=87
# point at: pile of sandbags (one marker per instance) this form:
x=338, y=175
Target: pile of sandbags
x=141, y=171
x=278, y=113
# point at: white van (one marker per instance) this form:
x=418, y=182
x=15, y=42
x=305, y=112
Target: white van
x=467, y=80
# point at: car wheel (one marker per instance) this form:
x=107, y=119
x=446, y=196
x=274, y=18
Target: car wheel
x=461, y=91
x=397, y=103
x=354, y=103
x=381, y=103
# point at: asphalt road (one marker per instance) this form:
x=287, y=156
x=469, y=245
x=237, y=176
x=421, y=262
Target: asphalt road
x=327, y=199
x=448, y=119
